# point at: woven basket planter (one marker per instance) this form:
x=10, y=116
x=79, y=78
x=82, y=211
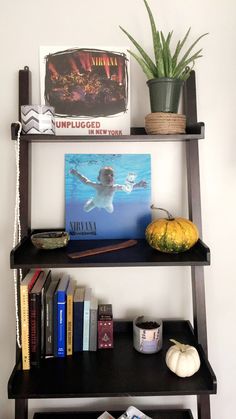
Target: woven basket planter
x=165, y=123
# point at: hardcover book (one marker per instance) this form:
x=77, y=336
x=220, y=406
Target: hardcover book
x=87, y=303
x=50, y=317
x=105, y=326
x=107, y=196
x=43, y=313
x=105, y=312
x=88, y=87
x=78, y=325
x=25, y=287
x=93, y=326
x=69, y=317
x=55, y=317
x=36, y=297
x=61, y=315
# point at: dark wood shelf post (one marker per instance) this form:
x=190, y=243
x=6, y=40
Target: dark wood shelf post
x=24, y=99
x=194, y=200
x=21, y=405
x=21, y=409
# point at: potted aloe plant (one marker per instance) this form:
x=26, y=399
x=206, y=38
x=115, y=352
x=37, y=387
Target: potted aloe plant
x=168, y=71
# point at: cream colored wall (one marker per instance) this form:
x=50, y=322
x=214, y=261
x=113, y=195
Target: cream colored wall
x=26, y=25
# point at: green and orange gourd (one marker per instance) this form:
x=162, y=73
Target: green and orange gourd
x=171, y=235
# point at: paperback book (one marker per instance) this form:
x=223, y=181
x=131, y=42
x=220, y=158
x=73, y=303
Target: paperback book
x=61, y=315
x=107, y=196
x=78, y=323
x=26, y=286
x=36, y=308
x=88, y=87
x=69, y=317
x=93, y=326
x=86, y=323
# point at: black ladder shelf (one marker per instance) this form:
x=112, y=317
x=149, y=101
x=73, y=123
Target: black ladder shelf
x=124, y=362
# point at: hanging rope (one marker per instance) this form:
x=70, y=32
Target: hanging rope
x=17, y=229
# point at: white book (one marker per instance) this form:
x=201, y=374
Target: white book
x=87, y=303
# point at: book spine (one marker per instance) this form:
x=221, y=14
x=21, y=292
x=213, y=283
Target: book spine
x=105, y=334
x=24, y=305
x=43, y=313
x=78, y=326
x=86, y=325
x=25, y=322
x=93, y=330
x=49, y=326
x=55, y=327
x=61, y=324
x=42, y=322
x=35, y=330
x=69, y=323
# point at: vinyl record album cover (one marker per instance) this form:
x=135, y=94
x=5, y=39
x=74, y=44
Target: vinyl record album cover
x=89, y=89
x=107, y=196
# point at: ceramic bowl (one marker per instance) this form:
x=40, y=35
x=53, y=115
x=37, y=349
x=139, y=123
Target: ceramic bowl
x=50, y=239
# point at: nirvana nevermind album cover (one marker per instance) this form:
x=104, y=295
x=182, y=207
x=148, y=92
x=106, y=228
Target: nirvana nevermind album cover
x=107, y=196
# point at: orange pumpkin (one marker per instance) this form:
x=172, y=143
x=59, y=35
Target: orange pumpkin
x=171, y=235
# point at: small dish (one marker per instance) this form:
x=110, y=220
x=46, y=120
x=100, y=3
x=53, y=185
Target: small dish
x=50, y=239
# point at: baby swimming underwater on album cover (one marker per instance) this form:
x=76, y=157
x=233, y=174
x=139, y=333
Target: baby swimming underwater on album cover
x=107, y=196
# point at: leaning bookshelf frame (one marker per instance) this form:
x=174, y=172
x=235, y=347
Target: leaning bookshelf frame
x=21, y=386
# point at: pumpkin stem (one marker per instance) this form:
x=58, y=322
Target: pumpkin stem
x=181, y=346
x=169, y=215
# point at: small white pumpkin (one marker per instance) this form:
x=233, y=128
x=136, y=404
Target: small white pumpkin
x=182, y=359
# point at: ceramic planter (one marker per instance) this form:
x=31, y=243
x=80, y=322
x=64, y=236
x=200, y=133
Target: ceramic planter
x=38, y=119
x=165, y=94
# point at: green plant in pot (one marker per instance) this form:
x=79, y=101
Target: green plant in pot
x=168, y=71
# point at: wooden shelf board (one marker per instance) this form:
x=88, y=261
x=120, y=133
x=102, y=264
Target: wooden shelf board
x=25, y=255
x=154, y=414
x=138, y=134
x=117, y=372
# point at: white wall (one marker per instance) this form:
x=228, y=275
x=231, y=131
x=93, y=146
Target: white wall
x=26, y=25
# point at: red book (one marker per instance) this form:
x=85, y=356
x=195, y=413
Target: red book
x=105, y=326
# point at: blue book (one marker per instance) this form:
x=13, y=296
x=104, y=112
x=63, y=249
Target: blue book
x=61, y=315
x=55, y=322
x=78, y=323
x=87, y=302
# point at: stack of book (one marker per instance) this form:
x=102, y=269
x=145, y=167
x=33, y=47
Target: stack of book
x=57, y=317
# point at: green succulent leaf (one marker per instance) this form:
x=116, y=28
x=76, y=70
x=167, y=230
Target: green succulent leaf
x=145, y=56
x=184, y=58
x=160, y=60
x=146, y=69
x=156, y=45
x=166, y=64
x=183, y=64
x=179, y=46
x=167, y=54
